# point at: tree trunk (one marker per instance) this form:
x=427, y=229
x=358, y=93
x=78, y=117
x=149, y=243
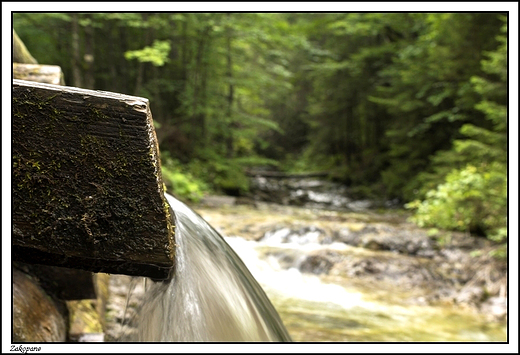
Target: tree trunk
x=20, y=52
x=140, y=68
x=89, y=56
x=76, y=58
x=200, y=87
x=185, y=56
x=229, y=76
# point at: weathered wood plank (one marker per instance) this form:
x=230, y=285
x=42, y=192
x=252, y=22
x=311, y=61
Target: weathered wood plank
x=87, y=186
x=49, y=74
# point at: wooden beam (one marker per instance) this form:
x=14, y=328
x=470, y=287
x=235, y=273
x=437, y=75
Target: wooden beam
x=49, y=74
x=87, y=185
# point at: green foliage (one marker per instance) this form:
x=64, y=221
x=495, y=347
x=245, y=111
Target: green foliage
x=390, y=103
x=309, y=161
x=230, y=178
x=428, y=88
x=180, y=182
x=471, y=199
x=474, y=196
x=45, y=36
x=224, y=175
x=157, y=54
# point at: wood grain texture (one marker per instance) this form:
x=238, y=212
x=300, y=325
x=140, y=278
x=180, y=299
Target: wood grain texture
x=87, y=186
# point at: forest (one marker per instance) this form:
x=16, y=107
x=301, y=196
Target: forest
x=407, y=106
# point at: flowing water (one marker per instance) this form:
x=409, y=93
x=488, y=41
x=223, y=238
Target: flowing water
x=215, y=296
x=317, y=310
x=212, y=295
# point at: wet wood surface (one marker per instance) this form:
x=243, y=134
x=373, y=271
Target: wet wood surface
x=87, y=186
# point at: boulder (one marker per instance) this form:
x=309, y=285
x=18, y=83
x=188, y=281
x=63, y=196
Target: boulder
x=345, y=235
x=404, y=242
x=316, y=264
x=36, y=316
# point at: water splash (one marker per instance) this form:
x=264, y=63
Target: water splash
x=212, y=295
x=291, y=282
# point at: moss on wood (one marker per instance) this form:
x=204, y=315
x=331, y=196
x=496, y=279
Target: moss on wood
x=87, y=188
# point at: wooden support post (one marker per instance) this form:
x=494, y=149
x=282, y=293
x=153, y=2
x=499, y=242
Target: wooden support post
x=87, y=186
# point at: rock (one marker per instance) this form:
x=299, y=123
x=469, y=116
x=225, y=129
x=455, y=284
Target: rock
x=470, y=295
x=363, y=229
x=316, y=264
x=374, y=244
x=411, y=243
x=360, y=205
x=304, y=235
x=302, y=192
x=243, y=200
x=495, y=308
x=453, y=255
x=298, y=198
x=36, y=316
x=217, y=201
x=429, y=253
x=364, y=266
x=394, y=203
x=285, y=259
x=344, y=235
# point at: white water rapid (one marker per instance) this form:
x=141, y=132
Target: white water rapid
x=215, y=295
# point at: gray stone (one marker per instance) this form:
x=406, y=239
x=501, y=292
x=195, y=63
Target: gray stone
x=346, y=236
x=470, y=295
x=316, y=264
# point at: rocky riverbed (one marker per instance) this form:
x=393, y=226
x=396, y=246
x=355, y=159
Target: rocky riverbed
x=378, y=253
x=382, y=252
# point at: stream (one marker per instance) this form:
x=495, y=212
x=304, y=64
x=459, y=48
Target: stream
x=317, y=308
x=337, y=271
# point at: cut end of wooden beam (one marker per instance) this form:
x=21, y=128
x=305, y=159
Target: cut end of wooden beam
x=48, y=74
x=87, y=185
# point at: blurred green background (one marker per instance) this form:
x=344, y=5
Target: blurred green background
x=410, y=106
